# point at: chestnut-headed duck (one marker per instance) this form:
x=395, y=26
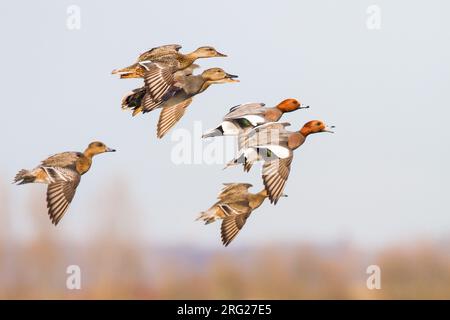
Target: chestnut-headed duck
x=234, y=206
x=275, y=145
x=62, y=172
x=250, y=115
x=174, y=105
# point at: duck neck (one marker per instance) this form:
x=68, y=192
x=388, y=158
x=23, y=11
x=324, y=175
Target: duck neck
x=205, y=85
x=256, y=200
x=84, y=163
x=89, y=153
x=305, y=131
x=190, y=58
x=295, y=140
x=273, y=114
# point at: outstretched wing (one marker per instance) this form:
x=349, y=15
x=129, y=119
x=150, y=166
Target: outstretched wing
x=59, y=196
x=272, y=133
x=234, y=191
x=159, y=78
x=253, y=112
x=275, y=174
x=236, y=215
x=158, y=51
x=169, y=116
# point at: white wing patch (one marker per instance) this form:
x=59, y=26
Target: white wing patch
x=229, y=128
x=255, y=120
x=280, y=152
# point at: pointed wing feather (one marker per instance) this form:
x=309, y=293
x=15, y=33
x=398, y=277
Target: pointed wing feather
x=266, y=134
x=59, y=196
x=159, y=78
x=234, y=221
x=165, y=49
x=234, y=190
x=246, y=109
x=275, y=174
x=170, y=116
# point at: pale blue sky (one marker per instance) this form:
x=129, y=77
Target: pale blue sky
x=382, y=177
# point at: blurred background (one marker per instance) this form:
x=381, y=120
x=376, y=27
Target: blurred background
x=374, y=193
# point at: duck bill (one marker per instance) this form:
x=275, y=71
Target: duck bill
x=328, y=129
x=108, y=149
x=230, y=78
x=302, y=106
x=218, y=54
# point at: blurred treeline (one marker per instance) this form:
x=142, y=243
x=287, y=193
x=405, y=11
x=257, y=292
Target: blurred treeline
x=116, y=265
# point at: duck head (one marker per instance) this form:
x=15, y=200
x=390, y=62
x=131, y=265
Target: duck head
x=290, y=105
x=207, y=52
x=315, y=126
x=217, y=75
x=96, y=148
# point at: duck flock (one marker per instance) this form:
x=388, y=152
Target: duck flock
x=170, y=85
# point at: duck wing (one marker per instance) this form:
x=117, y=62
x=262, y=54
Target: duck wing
x=60, y=194
x=253, y=113
x=169, y=116
x=159, y=51
x=269, y=134
x=275, y=174
x=159, y=77
x=236, y=214
x=234, y=191
x=62, y=160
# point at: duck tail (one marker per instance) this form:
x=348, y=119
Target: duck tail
x=213, y=133
x=24, y=176
x=133, y=100
x=207, y=217
x=236, y=161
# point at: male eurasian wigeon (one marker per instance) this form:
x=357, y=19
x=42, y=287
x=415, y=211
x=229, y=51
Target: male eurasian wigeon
x=234, y=207
x=62, y=172
x=250, y=115
x=274, y=145
x=174, y=105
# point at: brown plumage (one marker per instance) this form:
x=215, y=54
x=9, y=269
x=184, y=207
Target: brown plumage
x=161, y=67
x=174, y=105
x=234, y=207
x=136, y=70
x=62, y=172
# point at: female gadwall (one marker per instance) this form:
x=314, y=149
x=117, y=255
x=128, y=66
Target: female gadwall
x=159, y=71
x=174, y=105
